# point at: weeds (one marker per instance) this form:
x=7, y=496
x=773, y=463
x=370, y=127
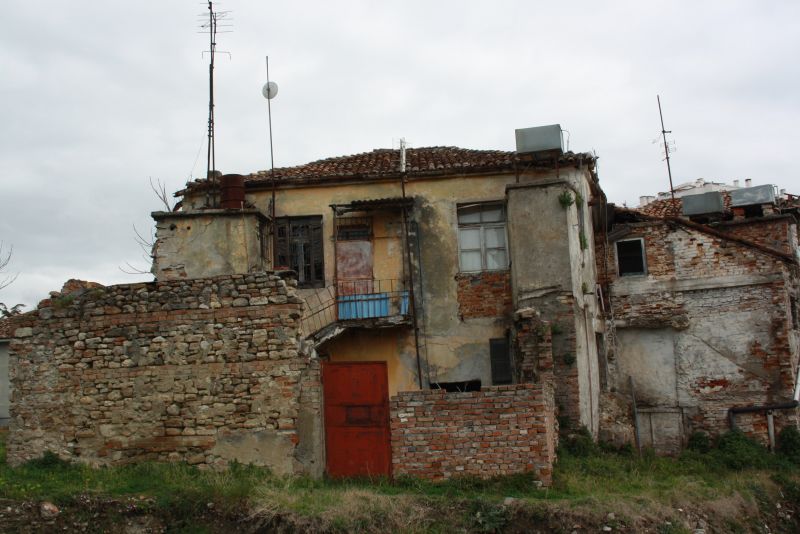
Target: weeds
x=565, y=199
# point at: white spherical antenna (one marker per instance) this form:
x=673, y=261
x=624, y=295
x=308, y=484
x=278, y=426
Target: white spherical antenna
x=269, y=90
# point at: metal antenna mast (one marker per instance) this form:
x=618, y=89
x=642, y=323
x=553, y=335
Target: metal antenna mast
x=269, y=91
x=211, y=26
x=666, y=147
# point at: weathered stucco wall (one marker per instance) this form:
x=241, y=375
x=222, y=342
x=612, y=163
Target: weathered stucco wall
x=204, y=370
x=708, y=328
x=438, y=435
x=208, y=243
x=553, y=271
x=451, y=349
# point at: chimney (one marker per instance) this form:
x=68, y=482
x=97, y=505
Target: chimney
x=748, y=182
x=736, y=183
x=645, y=200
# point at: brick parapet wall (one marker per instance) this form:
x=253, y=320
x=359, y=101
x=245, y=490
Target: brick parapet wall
x=201, y=370
x=484, y=294
x=773, y=232
x=499, y=430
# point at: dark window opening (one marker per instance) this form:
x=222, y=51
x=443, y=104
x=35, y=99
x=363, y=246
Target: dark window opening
x=753, y=211
x=630, y=257
x=793, y=304
x=602, y=359
x=298, y=246
x=500, y=358
x=458, y=387
x=354, y=229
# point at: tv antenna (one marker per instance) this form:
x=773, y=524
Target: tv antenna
x=212, y=25
x=269, y=91
x=666, y=147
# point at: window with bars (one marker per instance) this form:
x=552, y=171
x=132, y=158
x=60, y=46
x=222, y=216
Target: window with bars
x=482, y=237
x=298, y=246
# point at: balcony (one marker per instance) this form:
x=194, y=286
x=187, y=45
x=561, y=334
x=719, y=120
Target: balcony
x=357, y=304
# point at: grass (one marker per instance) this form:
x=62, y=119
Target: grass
x=587, y=477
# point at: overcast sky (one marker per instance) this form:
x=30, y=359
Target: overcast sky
x=99, y=96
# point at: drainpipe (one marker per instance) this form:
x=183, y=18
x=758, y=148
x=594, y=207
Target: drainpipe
x=768, y=408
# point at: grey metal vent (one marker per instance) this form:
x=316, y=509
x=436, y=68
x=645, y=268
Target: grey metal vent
x=540, y=139
x=750, y=196
x=703, y=204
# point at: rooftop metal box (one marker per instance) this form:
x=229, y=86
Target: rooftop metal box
x=749, y=196
x=540, y=139
x=703, y=204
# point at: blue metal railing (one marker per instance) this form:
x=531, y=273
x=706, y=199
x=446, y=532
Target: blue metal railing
x=353, y=300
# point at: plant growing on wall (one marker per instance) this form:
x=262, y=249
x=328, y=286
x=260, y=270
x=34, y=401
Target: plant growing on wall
x=569, y=358
x=565, y=199
x=584, y=241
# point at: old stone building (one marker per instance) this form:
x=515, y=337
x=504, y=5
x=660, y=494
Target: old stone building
x=702, y=296
x=460, y=283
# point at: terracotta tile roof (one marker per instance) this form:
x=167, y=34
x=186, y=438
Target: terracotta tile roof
x=5, y=329
x=674, y=208
x=385, y=163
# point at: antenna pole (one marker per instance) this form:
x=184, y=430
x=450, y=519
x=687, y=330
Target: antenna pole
x=666, y=147
x=272, y=167
x=211, y=163
x=271, y=152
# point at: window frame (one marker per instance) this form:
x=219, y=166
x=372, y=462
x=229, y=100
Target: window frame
x=482, y=226
x=316, y=251
x=643, y=252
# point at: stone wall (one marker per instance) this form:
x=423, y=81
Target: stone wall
x=203, y=370
x=499, y=430
x=485, y=294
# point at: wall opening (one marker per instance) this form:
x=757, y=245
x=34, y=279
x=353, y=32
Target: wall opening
x=630, y=257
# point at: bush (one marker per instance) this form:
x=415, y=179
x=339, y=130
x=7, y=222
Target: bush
x=699, y=442
x=579, y=443
x=789, y=444
x=736, y=451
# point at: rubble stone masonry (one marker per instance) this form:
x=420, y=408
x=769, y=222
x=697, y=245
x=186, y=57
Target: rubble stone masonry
x=499, y=430
x=204, y=370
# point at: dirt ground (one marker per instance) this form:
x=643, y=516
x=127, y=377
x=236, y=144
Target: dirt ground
x=732, y=514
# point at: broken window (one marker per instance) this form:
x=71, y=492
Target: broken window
x=482, y=237
x=354, y=229
x=298, y=246
x=630, y=257
x=500, y=358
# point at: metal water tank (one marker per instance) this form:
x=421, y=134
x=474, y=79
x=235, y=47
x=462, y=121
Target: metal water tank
x=232, y=191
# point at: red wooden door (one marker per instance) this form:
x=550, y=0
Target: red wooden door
x=356, y=419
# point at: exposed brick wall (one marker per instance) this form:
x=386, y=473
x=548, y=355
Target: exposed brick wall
x=770, y=232
x=726, y=308
x=203, y=370
x=534, y=347
x=500, y=430
x=485, y=294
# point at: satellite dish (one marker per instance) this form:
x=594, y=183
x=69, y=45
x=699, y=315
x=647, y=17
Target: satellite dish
x=269, y=90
